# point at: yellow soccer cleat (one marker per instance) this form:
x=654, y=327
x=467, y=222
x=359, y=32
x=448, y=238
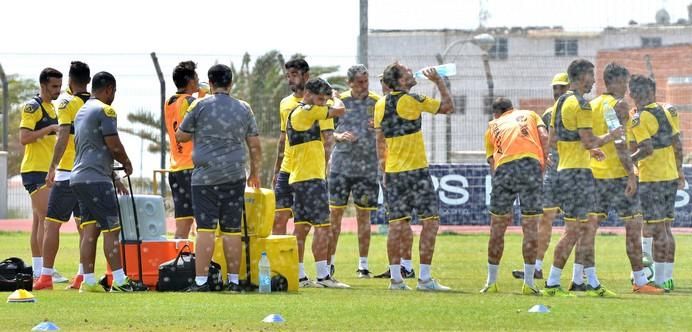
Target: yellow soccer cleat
x=95, y=288
x=492, y=288
x=556, y=291
x=599, y=291
x=528, y=290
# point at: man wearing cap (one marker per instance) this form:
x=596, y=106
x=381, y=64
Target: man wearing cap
x=550, y=199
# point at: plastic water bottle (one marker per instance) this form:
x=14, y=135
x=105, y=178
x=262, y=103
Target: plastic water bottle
x=265, y=279
x=447, y=69
x=611, y=119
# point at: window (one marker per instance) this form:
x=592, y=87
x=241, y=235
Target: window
x=459, y=104
x=651, y=41
x=566, y=47
x=499, y=50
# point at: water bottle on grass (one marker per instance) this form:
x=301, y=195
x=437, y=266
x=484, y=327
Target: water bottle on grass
x=265, y=279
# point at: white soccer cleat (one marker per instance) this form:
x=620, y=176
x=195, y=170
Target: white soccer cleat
x=431, y=285
x=329, y=282
x=398, y=286
x=58, y=278
x=307, y=283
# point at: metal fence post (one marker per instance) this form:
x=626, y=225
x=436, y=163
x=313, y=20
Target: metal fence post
x=3, y=184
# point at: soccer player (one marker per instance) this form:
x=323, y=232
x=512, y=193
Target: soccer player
x=616, y=182
x=307, y=179
x=187, y=82
x=518, y=139
x=572, y=123
x=62, y=201
x=37, y=130
x=659, y=156
x=297, y=74
x=407, y=183
x=406, y=244
x=354, y=164
x=97, y=145
x=551, y=208
x=219, y=125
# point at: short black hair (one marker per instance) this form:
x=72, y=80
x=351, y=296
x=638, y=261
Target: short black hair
x=640, y=84
x=391, y=75
x=183, y=73
x=220, y=75
x=299, y=64
x=47, y=73
x=613, y=71
x=501, y=105
x=577, y=68
x=102, y=80
x=79, y=72
x=318, y=86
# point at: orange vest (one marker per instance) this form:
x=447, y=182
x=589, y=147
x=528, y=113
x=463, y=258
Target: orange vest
x=181, y=153
x=515, y=136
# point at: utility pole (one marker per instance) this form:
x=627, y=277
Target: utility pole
x=162, y=84
x=363, y=36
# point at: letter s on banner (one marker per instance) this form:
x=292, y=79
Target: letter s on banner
x=456, y=185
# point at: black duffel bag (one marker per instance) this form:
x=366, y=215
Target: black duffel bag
x=15, y=275
x=179, y=273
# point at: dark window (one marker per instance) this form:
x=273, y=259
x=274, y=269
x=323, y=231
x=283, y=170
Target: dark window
x=499, y=50
x=651, y=41
x=566, y=47
x=459, y=104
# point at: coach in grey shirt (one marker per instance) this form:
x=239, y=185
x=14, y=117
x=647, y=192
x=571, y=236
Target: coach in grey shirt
x=353, y=166
x=221, y=126
x=96, y=146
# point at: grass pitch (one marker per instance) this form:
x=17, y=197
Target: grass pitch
x=460, y=262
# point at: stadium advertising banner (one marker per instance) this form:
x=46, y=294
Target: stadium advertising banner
x=464, y=196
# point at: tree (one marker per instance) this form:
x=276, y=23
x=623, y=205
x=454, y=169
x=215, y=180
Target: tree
x=20, y=90
x=148, y=128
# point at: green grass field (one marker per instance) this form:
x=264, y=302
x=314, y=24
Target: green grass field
x=460, y=262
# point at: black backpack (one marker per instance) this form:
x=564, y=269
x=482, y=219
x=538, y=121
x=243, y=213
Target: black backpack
x=15, y=275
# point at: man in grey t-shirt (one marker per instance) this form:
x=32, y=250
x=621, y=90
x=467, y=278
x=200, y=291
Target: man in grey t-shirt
x=353, y=167
x=96, y=145
x=221, y=126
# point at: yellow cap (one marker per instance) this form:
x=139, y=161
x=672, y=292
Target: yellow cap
x=561, y=79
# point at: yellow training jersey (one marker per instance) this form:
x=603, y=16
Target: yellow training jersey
x=660, y=126
x=306, y=148
x=68, y=106
x=38, y=114
x=287, y=105
x=611, y=167
x=398, y=115
x=571, y=113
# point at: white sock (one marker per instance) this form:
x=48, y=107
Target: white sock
x=591, y=276
x=395, y=272
x=362, y=263
x=301, y=271
x=659, y=273
x=333, y=259
x=322, y=269
x=89, y=278
x=37, y=263
x=46, y=271
x=407, y=264
x=668, y=270
x=492, y=274
x=539, y=265
x=201, y=280
x=425, y=274
x=232, y=278
x=578, y=274
x=647, y=245
x=639, y=278
x=80, y=271
x=119, y=276
x=528, y=274
x=554, y=277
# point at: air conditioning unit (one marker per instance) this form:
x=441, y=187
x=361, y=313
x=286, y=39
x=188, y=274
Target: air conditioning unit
x=151, y=216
